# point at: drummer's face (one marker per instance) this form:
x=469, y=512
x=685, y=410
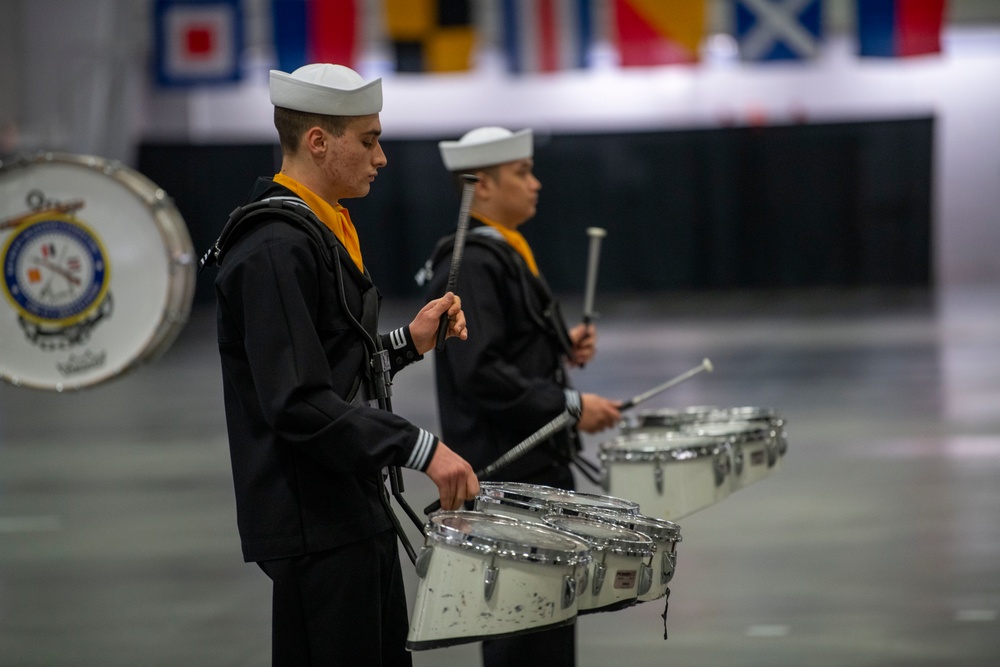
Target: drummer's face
x=354, y=158
x=516, y=191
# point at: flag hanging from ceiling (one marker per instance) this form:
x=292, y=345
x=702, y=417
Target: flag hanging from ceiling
x=899, y=28
x=197, y=42
x=652, y=32
x=779, y=29
x=546, y=35
x=430, y=35
x=315, y=31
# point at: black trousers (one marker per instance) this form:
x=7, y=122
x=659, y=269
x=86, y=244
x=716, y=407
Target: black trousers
x=346, y=606
x=551, y=648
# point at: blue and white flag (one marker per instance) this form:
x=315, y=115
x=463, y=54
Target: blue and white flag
x=198, y=41
x=546, y=35
x=778, y=29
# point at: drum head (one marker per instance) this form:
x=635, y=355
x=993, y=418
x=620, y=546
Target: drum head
x=658, y=529
x=98, y=271
x=542, y=497
x=603, y=535
x=506, y=537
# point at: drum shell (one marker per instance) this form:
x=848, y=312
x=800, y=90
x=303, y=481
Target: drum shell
x=451, y=605
x=755, y=446
x=623, y=569
x=664, y=534
x=758, y=434
x=670, y=475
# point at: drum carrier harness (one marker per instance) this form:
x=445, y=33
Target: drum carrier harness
x=375, y=381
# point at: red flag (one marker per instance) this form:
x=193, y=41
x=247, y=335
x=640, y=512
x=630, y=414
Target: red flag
x=918, y=28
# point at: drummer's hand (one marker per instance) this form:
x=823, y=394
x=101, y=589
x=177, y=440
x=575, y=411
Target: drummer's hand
x=584, y=339
x=424, y=326
x=599, y=413
x=455, y=480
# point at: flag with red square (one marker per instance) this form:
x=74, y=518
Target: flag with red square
x=198, y=41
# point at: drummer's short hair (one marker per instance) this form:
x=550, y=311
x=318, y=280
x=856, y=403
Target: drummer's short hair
x=292, y=124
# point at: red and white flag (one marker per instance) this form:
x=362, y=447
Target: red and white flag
x=198, y=41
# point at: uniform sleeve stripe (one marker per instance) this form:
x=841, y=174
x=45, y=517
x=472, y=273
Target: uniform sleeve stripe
x=573, y=404
x=418, y=458
x=398, y=338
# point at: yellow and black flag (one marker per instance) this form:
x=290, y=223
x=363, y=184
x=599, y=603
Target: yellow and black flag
x=430, y=35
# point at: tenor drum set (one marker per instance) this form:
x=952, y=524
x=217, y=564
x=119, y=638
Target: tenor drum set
x=529, y=557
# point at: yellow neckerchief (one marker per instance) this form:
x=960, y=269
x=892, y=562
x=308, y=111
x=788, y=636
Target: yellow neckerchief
x=335, y=217
x=516, y=241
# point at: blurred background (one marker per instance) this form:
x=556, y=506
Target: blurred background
x=805, y=191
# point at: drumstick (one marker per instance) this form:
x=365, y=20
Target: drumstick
x=595, y=234
x=705, y=365
x=517, y=451
x=468, y=188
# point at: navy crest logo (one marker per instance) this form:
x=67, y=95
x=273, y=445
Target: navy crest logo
x=56, y=274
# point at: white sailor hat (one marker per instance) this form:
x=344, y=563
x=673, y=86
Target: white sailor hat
x=485, y=147
x=331, y=90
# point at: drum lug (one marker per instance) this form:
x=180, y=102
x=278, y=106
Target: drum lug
x=738, y=457
x=569, y=591
x=600, y=570
x=490, y=581
x=645, y=578
x=721, y=467
x=667, y=567
x=423, y=561
x=772, y=449
x=658, y=477
x=782, y=439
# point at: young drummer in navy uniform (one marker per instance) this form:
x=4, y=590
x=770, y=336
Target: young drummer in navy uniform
x=509, y=379
x=297, y=330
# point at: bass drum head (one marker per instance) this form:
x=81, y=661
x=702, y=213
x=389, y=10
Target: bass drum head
x=98, y=271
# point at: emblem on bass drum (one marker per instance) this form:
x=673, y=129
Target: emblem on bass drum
x=56, y=275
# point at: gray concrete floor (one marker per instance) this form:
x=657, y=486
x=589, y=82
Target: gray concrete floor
x=878, y=543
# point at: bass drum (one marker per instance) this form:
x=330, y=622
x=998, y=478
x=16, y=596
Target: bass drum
x=98, y=271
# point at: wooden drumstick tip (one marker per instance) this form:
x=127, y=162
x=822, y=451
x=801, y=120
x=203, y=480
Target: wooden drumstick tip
x=597, y=232
x=470, y=178
x=707, y=364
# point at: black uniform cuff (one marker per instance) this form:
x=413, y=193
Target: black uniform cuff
x=402, y=351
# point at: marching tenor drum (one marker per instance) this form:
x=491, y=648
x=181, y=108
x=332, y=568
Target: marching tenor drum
x=621, y=566
x=98, y=271
x=758, y=435
x=670, y=474
x=484, y=576
x=665, y=535
x=531, y=501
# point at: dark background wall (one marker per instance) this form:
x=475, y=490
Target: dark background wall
x=839, y=204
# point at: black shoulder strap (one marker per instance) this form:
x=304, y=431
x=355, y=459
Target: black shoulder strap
x=290, y=209
x=297, y=212
x=504, y=252
x=548, y=319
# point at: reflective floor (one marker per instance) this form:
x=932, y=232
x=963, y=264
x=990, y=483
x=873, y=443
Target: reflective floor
x=877, y=543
